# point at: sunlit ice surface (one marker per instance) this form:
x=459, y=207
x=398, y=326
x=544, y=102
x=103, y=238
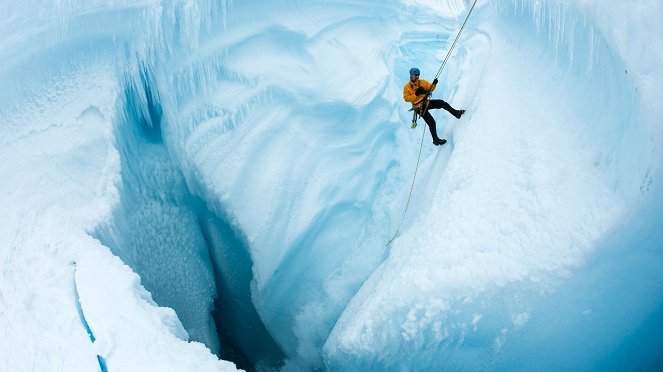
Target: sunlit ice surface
x=191, y=183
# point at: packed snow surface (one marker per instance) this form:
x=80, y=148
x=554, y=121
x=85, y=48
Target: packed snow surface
x=211, y=185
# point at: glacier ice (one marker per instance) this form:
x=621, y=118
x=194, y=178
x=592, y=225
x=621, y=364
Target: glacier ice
x=225, y=176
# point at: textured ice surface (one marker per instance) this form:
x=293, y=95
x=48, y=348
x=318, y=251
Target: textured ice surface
x=261, y=152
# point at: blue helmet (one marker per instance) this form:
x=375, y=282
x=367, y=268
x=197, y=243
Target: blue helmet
x=415, y=71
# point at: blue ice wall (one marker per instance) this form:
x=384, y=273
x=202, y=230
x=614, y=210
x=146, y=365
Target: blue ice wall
x=608, y=315
x=601, y=315
x=155, y=228
x=174, y=229
x=591, y=80
x=188, y=254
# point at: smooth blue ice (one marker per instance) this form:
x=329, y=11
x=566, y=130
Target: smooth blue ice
x=259, y=157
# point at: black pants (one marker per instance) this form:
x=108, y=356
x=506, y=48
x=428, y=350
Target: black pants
x=428, y=118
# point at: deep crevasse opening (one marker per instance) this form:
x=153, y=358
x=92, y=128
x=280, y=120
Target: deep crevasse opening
x=189, y=258
x=302, y=176
x=201, y=110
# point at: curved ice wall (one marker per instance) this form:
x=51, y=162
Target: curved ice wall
x=256, y=152
x=260, y=121
x=528, y=259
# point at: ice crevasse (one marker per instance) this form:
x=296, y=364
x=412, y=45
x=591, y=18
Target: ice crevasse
x=192, y=180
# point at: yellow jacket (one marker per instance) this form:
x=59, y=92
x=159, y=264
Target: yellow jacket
x=410, y=88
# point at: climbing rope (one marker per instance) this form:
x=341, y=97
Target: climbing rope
x=423, y=112
x=456, y=39
x=416, y=169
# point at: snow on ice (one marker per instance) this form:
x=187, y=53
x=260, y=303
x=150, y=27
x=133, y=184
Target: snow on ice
x=210, y=185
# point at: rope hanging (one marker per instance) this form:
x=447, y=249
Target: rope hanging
x=456, y=39
x=423, y=112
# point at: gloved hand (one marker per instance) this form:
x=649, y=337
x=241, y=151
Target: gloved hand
x=434, y=81
x=421, y=91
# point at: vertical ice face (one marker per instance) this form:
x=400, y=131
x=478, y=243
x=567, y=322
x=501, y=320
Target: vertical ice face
x=155, y=228
x=549, y=165
x=249, y=160
x=281, y=125
x=256, y=126
x=602, y=92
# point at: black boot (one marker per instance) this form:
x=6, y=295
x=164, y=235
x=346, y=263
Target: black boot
x=459, y=113
x=438, y=142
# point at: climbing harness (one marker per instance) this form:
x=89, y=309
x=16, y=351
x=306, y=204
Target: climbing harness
x=422, y=112
x=417, y=111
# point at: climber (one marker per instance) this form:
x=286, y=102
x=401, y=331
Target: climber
x=417, y=92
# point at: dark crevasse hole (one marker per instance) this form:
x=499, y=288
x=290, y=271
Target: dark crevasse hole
x=240, y=328
x=189, y=258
